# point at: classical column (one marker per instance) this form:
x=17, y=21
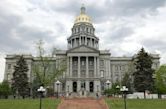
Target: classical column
x=91, y=42
x=87, y=69
x=87, y=86
x=78, y=86
x=85, y=40
x=80, y=40
x=78, y=66
x=71, y=67
x=95, y=73
x=75, y=43
x=98, y=69
x=68, y=67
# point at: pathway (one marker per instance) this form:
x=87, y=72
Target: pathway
x=82, y=103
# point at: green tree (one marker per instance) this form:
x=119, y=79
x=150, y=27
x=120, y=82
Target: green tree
x=113, y=90
x=160, y=80
x=143, y=76
x=46, y=70
x=126, y=81
x=5, y=90
x=20, y=83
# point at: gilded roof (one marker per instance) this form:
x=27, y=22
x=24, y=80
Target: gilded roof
x=83, y=17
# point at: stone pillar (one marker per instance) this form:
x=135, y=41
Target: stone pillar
x=87, y=86
x=69, y=86
x=85, y=40
x=95, y=73
x=97, y=87
x=98, y=69
x=75, y=43
x=71, y=67
x=91, y=42
x=87, y=69
x=80, y=40
x=78, y=86
x=78, y=66
x=68, y=68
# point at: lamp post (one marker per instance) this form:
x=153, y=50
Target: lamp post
x=57, y=83
x=124, y=89
x=117, y=89
x=41, y=90
x=107, y=83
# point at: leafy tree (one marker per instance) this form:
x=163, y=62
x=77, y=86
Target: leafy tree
x=20, y=83
x=143, y=76
x=126, y=81
x=160, y=80
x=113, y=90
x=46, y=70
x=5, y=90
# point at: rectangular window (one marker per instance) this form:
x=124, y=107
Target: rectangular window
x=101, y=62
x=75, y=63
x=102, y=73
x=8, y=77
x=83, y=73
x=9, y=66
x=116, y=67
x=83, y=63
x=90, y=63
x=75, y=74
x=91, y=73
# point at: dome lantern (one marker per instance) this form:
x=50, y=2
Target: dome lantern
x=83, y=17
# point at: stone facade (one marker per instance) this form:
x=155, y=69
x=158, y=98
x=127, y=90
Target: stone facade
x=88, y=68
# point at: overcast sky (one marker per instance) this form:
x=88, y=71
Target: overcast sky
x=123, y=26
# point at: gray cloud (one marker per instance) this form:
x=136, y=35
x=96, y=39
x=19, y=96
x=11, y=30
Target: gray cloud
x=155, y=44
x=14, y=35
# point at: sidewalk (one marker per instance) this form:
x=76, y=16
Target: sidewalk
x=82, y=103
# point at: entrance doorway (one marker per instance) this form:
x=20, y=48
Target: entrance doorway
x=91, y=86
x=74, y=86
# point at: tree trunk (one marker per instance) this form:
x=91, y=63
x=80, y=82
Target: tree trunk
x=144, y=95
x=159, y=95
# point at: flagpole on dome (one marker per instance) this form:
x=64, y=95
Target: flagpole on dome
x=83, y=9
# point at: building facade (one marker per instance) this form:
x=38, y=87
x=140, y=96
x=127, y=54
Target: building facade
x=88, y=68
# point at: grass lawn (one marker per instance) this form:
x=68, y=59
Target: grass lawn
x=48, y=103
x=115, y=103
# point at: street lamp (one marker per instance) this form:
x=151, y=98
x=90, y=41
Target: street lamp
x=41, y=90
x=124, y=89
x=117, y=89
x=108, y=83
x=57, y=83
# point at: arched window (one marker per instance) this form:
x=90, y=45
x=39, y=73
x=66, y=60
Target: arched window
x=86, y=29
x=78, y=29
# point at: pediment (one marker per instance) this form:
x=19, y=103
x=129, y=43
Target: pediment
x=83, y=49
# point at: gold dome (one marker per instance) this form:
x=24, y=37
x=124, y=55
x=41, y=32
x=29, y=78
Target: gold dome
x=82, y=17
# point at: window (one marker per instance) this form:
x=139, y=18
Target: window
x=82, y=84
x=9, y=66
x=83, y=63
x=101, y=62
x=91, y=63
x=8, y=76
x=83, y=73
x=102, y=73
x=75, y=73
x=75, y=63
x=91, y=73
x=116, y=67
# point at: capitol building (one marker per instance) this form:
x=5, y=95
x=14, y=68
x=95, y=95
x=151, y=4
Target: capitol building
x=88, y=67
